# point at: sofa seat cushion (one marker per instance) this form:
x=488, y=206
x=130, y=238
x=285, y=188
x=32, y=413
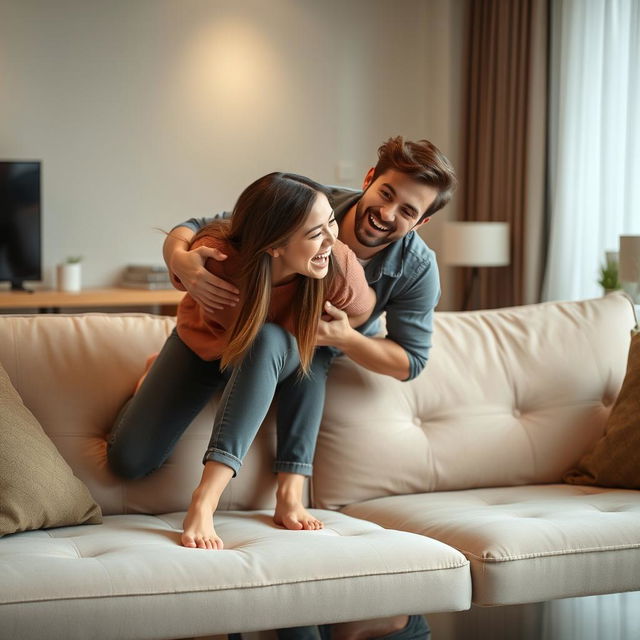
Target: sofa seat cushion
x=529, y=543
x=60, y=582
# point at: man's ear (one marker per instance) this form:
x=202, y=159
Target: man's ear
x=423, y=221
x=368, y=179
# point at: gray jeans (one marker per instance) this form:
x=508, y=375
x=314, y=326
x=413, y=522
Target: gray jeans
x=180, y=383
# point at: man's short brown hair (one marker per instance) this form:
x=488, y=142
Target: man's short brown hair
x=424, y=162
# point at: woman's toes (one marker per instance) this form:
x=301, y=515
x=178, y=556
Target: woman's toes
x=188, y=541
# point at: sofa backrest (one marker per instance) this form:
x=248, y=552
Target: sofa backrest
x=74, y=372
x=509, y=397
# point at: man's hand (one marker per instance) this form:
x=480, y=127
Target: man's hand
x=381, y=355
x=334, y=328
x=188, y=273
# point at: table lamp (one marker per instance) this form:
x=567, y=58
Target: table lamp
x=475, y=245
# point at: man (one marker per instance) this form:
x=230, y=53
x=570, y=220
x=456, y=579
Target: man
x=410, y=182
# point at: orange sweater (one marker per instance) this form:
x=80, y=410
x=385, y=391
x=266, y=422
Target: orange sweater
x=207, y=334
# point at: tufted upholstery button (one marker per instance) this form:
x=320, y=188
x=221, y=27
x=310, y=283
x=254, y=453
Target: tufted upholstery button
x=417, y=422
x=516, y=413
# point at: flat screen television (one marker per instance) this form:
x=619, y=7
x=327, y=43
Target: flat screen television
x=20, y=222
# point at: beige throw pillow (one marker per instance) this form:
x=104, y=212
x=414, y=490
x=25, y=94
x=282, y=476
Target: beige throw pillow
x=615, y=460
x=37, y=487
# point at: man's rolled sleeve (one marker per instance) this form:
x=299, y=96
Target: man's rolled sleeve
x=195, y=224
x=409, y=316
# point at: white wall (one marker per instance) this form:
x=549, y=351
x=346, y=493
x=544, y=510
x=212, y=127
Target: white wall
x=147, y=112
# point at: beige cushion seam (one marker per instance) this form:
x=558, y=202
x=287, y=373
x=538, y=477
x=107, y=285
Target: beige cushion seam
x=236, y=587
x=544, y=554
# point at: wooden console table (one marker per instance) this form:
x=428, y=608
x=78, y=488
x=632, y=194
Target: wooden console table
x=91, y=299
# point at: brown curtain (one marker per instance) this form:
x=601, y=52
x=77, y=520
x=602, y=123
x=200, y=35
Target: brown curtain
x=504, y=141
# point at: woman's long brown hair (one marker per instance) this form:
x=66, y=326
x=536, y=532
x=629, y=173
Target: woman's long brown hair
x=267, y=212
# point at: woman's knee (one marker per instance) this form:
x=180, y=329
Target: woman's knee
x=127, y=457
x=130, y=463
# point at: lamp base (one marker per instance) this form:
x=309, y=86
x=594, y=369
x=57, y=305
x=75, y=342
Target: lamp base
x=472, y=277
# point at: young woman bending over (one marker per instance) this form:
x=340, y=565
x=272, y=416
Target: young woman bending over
x=283, y=253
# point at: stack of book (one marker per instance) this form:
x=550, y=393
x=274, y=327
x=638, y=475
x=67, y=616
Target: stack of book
x=146, y=276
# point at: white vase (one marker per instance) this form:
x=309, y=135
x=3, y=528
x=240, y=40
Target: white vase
x=70, y=276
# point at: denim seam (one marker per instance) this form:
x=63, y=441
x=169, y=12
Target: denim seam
x=219, y=425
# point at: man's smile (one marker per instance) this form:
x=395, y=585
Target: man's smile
x=377, y=224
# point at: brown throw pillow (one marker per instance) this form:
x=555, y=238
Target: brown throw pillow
x=615, y=460
x=37, y=487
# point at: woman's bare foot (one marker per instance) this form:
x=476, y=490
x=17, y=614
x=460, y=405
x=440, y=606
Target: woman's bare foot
x=199, y=532
x=198, y=523
x=295, y=516
x=290, y=513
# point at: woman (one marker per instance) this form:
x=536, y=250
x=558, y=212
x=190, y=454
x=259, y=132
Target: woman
x=282, y=249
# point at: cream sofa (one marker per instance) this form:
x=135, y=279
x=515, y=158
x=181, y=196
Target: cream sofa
x=435, y=492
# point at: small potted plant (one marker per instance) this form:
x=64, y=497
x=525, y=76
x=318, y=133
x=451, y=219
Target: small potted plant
x=609, y=277
x=70, y=274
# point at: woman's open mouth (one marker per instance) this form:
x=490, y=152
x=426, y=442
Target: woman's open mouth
x=322, y=259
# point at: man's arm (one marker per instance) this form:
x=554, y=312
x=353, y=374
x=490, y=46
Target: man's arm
x=403, y=353
x=380, y=355
x=188, y=272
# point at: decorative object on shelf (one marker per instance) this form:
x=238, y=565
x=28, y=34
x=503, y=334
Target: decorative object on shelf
x=630, y=266
x=609, y=273
x=146, y=276
x=70, y=274
x=475, y=245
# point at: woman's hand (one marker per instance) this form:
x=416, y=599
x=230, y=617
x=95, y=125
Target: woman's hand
x=189, y=273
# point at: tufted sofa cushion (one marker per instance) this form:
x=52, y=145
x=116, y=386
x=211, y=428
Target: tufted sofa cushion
x=527, y=544
x=129, y=577
x=509, y=397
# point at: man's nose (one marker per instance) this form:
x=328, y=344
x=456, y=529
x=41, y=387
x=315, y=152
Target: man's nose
x=388, y=212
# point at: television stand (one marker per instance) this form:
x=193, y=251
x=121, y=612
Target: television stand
x=163, y=301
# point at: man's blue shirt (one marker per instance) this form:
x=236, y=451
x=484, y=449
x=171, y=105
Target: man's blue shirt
x=404, y=276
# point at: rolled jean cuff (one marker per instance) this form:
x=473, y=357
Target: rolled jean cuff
x=217, y=455
x=303, y=468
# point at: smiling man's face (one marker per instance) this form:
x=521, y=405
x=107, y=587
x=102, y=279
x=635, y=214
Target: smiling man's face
x=390, y=207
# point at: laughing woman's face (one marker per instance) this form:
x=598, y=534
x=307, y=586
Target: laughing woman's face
x=308, y=249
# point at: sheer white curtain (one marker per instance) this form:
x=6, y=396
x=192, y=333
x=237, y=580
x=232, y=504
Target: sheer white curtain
x=594, y=140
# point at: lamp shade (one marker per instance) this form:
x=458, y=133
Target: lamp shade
x=476, y=244
x=629, y=259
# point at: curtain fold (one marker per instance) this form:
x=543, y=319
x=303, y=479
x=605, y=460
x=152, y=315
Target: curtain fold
x=505, y=140
x=594, y=153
